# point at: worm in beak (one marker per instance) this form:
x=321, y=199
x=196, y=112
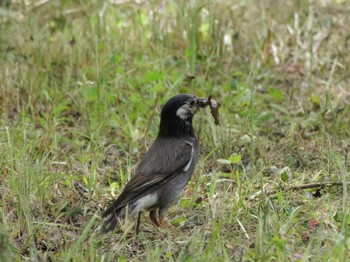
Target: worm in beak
x=214, y=107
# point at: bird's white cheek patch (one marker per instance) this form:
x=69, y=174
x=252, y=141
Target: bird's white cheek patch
x=184, y=111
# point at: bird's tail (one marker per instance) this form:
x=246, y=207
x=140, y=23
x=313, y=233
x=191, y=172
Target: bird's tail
x=113, y=216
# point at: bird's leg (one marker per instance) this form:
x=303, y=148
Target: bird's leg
x=153, y=217
x=162, y=213
x=135, y=242
x=138, y=223
x=162, y=222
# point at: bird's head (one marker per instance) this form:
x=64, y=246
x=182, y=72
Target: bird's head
x=177, y=115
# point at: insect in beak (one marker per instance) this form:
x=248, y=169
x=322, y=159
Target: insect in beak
x=214, y=107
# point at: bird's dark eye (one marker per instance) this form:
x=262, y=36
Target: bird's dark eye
x=192, y=102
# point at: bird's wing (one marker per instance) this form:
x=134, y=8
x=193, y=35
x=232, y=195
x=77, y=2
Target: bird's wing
x=164, y=159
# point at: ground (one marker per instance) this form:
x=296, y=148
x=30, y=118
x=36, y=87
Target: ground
x=82, y=84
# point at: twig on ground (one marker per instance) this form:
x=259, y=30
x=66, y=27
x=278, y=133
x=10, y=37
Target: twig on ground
x=298, y=188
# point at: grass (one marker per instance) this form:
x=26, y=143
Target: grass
x=81, y=87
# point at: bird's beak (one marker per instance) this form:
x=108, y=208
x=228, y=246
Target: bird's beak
x=202, y=102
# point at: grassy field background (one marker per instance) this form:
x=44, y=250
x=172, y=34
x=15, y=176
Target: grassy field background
x=82, y=84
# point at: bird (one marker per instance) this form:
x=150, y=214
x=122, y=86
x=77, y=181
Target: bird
x=161, y=176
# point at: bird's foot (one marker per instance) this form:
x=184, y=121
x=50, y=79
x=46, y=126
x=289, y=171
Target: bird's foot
x=162, y=222
x=156, y=223
x=153, y=217
x=135, y=243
